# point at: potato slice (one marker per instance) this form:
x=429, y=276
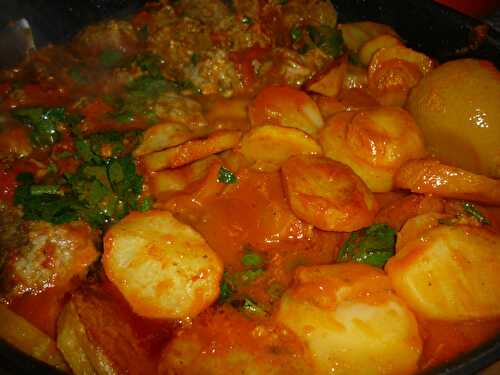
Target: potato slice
x=429, y=176
x=250, y=350
x=327, y=194
x=165, y=183
x=162, y=136
x=269, y=146
x=374, y=143
x=393, y=71
x=400, y=52
x=163, y=267
x=96, y=336
x=285, y=106
x=351, y=321
x=330, y=80
x=228, y=113
x=369, y=48
x=21, y=334
x=192, y=150
x=447, y=272
x=356, y=77
x=355, y=34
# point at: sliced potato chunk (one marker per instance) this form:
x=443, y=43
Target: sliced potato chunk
x=96, y=336
x=430, y=176
x=192, y=150
x=351, y=321
x=21, y=334
x=374, y=143
x=355, y=34
x=164, y=183
x=163, y=267
x=269, y=146
x=369, y=48
x=285, y=106
x=393, y=71
x=330, y=80
x=447, y=272
x=327, y=194
x=251, y=349
x=400, y=52
x=162, y=136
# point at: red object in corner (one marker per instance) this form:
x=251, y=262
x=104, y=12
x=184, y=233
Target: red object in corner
x=474, y=8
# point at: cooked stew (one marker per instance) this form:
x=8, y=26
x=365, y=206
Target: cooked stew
x=243, y=186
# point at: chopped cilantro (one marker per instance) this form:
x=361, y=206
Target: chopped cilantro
x=146, y=204
x=64, y=155
x=327, y=38
x=45, y=206
x=373, y=245
x=44, y=123
x=76, y=75
x=52, y=168
x=246, y=20
x=195, y=59
x=249, y=276
x=101, y=191
x=44, y=189
x=143, y=33
x=276, y=290
x=123, y=117
x=226, y=176
x=110, y=58
x=253, y=308
x=252, y=259
x=148, y=86
x=226, y=290
x=295, y=34
x=149, y=63
x=471, y=210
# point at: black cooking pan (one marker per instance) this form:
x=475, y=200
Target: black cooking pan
x=426, y=26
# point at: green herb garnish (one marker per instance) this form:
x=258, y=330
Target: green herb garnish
x=246, y=20
x=226, y=176
x=252, y=259
x=327, y=38
x=195, y=59
x=253, y=308
x=110, y=58
x=471, y=210
x=76, y=75
x=44, y=123
x=295, y=34
x=373, y=245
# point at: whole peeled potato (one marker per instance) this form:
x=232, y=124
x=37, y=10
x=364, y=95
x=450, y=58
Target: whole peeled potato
x=457, y=105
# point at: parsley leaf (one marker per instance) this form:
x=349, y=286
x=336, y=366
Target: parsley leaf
x=44, y=122
x=46, y=204
x=226, y=289
x=471, y=210
x=110, y=57
x=149, y=63
x=226, y=176
x=327, y=38
x=372, y=245
x=149, y=86
x=249, y=306
x=252, y=259
x=76, y=75
x=295, y=34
